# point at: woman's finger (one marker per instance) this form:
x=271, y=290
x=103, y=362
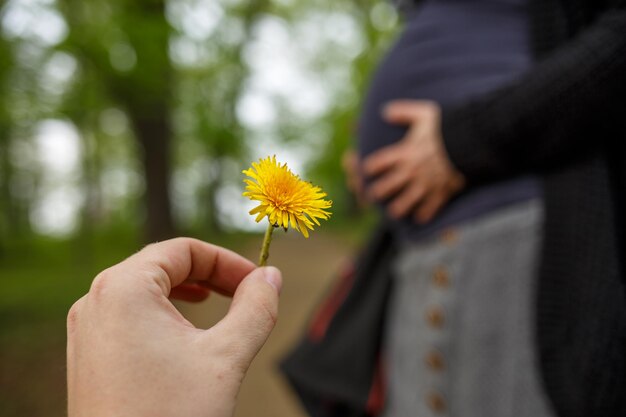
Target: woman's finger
x=404, y=112
x=407, y=200
x=383, y=159
x=431, y=204
x=390, y=183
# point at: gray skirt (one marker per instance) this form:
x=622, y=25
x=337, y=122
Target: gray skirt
x=459, y=340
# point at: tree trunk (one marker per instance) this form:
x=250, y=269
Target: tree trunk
x=154, y=135
x=147, y=94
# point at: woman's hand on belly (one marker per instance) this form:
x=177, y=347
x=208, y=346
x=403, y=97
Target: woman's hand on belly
x=415, y=175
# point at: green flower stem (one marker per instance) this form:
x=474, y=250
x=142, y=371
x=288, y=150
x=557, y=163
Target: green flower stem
x=265, y=249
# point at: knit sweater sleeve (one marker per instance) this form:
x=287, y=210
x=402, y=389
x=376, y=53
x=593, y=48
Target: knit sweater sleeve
x=544, y=118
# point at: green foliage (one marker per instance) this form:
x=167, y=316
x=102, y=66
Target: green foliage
x=148, y=77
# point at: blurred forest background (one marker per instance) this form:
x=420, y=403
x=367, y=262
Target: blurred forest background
x=129, y=121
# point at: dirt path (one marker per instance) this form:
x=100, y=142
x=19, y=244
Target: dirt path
x=308, y=266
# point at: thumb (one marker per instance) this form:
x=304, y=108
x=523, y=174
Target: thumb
x=407, y=111
x=253, y=313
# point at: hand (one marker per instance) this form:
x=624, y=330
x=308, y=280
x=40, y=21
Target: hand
x=414, y=173
x=131, y=353
x=354, y=181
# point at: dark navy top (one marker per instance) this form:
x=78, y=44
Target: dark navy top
x=451, y=51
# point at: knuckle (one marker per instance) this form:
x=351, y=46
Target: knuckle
x=271, y=315
x=429, y=106
x=149, y=247
x=101, y=283
x=156, y=247
x=268, y=314
x=73, y=315
x=184, y=241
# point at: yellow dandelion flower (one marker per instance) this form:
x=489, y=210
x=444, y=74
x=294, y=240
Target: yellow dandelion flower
x=284, y=198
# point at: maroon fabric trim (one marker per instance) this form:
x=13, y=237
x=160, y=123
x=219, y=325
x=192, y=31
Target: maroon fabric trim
x=378, y=390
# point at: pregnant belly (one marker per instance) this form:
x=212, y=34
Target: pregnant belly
x=450, y=52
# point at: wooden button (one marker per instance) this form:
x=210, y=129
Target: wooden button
x=441, y=278
x=435, y=316
x=449, y=236
x=436, y=402
x=434, y=360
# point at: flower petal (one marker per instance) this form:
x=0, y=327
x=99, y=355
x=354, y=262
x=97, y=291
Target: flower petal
x=284, y=198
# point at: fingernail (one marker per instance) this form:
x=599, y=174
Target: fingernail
x=273, y=277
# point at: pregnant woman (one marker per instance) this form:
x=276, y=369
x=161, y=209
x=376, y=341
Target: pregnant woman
x=493, y=139
x=458, y=333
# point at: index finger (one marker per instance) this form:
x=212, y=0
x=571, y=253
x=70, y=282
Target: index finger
x=382, y=160
x=173, y=261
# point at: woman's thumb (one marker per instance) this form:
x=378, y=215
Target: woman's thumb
x=253, y=311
